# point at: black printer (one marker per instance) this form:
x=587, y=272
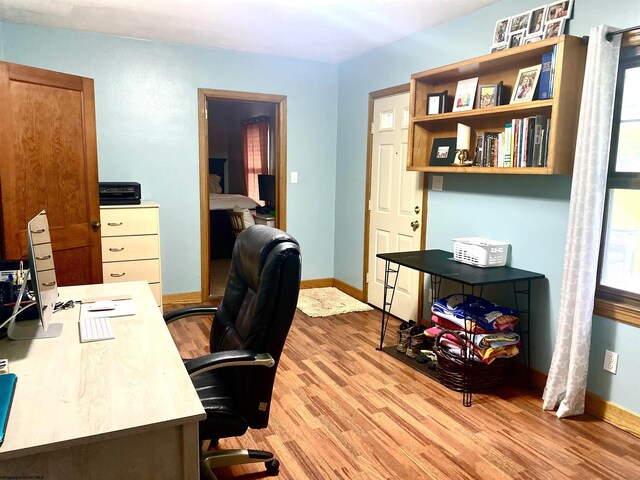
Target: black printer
x=119, y=193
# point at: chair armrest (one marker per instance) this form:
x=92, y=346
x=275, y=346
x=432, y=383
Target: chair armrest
x=229, y=358
x=189, y=312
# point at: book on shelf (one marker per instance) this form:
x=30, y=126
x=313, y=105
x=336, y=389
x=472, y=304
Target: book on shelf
x=544, y=83
x=531, y=131
x=552, y=72
x=523, y=143
x=479, y=148
x=508, y=144
x=540, y=125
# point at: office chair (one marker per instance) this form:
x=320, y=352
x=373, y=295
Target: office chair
x=249, y=330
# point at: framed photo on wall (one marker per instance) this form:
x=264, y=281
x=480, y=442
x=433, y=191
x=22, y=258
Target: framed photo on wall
x=465, y=94
x=443, y=152
x=526, y=84
x=557, y=10
x=536, y=21
x=489, y=95
x=436, y=102
x=554, y=28
x=501, y=31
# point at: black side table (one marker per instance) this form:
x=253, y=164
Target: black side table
x=439, y=264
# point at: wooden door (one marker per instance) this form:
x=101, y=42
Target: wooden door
x=395, y=205
x=48, y=160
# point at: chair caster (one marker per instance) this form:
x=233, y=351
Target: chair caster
x=273, y=466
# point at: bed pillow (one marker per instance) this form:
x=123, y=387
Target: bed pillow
x=246, y=216
x=214, y=183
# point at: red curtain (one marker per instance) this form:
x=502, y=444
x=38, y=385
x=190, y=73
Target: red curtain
x=255, y=146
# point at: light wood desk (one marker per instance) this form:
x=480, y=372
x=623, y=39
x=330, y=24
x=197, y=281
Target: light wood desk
x=122, y=408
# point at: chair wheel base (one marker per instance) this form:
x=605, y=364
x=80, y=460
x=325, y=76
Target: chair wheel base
x=273, y=466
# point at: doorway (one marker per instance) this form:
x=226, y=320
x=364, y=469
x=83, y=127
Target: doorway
x=221, y=157
x=395, y=214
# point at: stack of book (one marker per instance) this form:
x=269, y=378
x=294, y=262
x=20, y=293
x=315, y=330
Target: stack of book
x=522, y=144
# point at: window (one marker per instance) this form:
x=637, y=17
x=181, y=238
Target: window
x=255, y=142
x=618, y=291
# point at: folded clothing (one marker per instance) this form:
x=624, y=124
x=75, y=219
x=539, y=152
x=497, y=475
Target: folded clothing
x=482, y=340
x=455, y=342
x=475, y=314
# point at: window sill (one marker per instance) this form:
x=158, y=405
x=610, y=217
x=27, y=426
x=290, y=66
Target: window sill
x=620, y=312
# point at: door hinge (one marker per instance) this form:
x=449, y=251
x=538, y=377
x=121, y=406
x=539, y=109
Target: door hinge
x=369, y=204
x=206, y=114
x=371, y=128
x=367, y=278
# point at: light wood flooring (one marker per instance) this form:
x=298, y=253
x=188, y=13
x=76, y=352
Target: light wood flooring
x=342, y=410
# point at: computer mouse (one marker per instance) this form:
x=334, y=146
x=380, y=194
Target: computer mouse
x=102, y=306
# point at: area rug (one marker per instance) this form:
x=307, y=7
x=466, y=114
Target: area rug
x=323, y=302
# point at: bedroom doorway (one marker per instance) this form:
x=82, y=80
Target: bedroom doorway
x=223, y=184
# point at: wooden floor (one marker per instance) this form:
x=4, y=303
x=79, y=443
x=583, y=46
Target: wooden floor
x=342, y=410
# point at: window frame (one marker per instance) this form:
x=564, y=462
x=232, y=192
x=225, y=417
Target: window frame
x=616, y=304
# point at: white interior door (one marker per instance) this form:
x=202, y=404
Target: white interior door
x=396, y=203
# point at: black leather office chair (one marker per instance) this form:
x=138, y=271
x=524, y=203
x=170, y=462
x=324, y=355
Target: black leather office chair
x=249, y=329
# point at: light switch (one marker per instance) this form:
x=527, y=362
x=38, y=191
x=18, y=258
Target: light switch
x=294, y=177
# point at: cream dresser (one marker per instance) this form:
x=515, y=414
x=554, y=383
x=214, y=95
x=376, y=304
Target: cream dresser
x=131, y=245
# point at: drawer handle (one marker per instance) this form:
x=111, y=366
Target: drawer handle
x=46, y=257
x=112, y=249
x=118, y=275
x=48, y=284
x=114, y=224
x=38, y=231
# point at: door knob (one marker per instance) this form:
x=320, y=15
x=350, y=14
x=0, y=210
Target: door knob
x=417, y=209
x=415, y=224
x=96, y=225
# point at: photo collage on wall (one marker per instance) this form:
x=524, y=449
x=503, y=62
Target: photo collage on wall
x=542, y=22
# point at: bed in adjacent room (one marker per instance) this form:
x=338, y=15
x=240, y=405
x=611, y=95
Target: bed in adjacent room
x=221, y=235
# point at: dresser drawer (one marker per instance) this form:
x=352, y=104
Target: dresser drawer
x=140, y=247
x=148, y=270
x=128, y=221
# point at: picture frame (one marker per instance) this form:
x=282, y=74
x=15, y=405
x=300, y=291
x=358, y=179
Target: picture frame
x=443, y=152
x=499, y=48
x=501, y=31
x=558, y=10
x=525, y=85
x=535, y=39
x=489, y=95
x=537, y=19
x=436, y=102
x=519, y=22
x=465, y=95
x=554, y=28
x=516, y=39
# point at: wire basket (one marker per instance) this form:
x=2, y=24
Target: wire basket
x=480, y=376
x=480, y=252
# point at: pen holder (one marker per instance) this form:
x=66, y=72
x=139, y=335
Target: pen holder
x=7, y=293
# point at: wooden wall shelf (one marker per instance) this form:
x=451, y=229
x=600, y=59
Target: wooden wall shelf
x=563, y=109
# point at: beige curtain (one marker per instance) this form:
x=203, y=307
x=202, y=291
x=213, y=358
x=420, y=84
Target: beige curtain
x=567, y=382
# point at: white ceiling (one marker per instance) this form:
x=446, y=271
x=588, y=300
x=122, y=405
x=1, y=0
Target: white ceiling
x=324, y=30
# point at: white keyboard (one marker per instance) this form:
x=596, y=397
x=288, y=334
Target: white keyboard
x=93, y=329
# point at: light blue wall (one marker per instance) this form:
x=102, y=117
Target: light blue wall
x=146, y=108
x=529, y=212
x=147, y=127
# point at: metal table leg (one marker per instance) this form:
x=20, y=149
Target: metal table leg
x=386, y=305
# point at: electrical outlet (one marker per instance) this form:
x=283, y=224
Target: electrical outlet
x=610, y=361
x=437, y=183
